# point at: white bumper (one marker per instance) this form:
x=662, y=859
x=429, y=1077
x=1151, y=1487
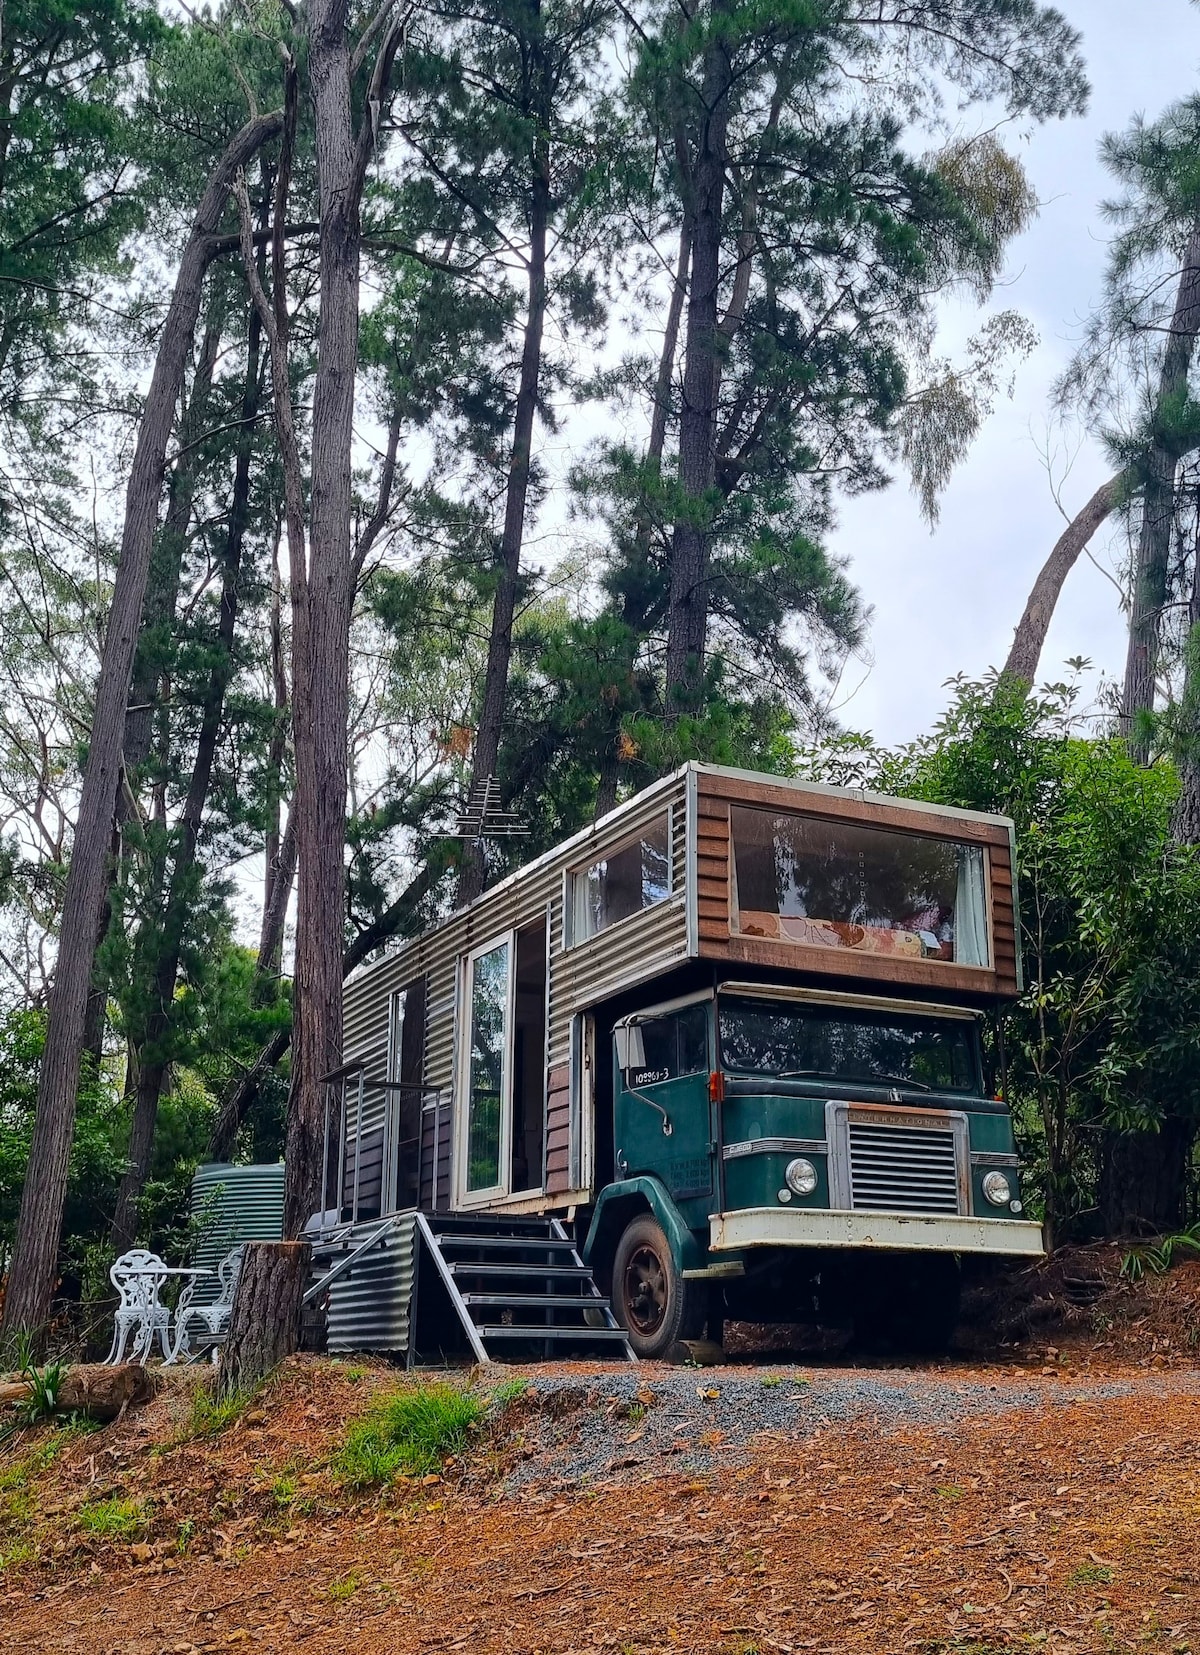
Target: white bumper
x=897, y=1232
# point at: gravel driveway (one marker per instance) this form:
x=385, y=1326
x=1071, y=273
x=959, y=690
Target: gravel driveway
x=618, y=1422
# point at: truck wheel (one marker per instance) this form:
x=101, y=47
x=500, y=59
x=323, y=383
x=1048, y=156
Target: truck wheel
x=650, y=1298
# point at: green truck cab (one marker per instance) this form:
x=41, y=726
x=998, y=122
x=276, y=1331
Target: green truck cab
x=792, y=1155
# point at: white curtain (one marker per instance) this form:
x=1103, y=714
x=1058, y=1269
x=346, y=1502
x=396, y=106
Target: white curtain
x=970, y=909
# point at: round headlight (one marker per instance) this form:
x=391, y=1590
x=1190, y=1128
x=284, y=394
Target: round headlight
x=800, y=1176
x=997, y=1189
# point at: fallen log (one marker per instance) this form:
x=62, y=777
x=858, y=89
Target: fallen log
x=90, y=1389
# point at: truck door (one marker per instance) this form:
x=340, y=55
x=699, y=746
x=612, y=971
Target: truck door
x=662, y=1119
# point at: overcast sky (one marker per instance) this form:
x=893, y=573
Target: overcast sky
x=948, y=602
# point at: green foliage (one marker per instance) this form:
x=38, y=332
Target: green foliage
x=1090, y=1574
x=510, y=1391
x=213, y=1411
x=1107, y=1034
x=410, y=1433
x=96, y=1153
x=1158, y=1260
x=112, y=1519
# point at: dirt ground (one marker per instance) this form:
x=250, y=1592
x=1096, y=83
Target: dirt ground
x=1043, y=1499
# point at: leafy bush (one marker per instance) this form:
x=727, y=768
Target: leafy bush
x=410, y=1434
x=1158, y=1260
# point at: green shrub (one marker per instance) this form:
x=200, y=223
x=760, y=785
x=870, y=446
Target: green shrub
x=113, y=1519
x=410, y=1433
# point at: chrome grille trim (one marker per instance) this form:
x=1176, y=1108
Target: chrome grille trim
x=885, y=1158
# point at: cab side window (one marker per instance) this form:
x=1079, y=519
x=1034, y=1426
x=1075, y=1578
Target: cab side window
x=674, y=1045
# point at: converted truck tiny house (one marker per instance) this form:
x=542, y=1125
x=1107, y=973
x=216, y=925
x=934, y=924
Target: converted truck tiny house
x=717, y=1055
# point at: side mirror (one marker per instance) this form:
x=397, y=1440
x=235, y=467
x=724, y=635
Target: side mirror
x=630, y=1048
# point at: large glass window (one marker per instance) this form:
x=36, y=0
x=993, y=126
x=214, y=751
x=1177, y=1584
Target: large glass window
x=486, y=1063
x=837, y=884
x=881, y=1048
x=626, y=881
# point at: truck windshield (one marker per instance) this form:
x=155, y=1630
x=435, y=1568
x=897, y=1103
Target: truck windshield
x=875, y=1048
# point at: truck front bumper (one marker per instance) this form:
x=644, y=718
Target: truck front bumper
x=894, y=1232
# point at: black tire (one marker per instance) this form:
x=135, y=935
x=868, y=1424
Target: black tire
x=907, y=1304
x=650, y=1298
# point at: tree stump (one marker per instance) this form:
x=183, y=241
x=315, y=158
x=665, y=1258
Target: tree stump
x=264, y=1324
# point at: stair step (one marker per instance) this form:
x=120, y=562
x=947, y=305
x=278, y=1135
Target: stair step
x=507, y=1243
x=537, y=1301
x=479, y=1224
x=519, y=1267
x=612, y=1335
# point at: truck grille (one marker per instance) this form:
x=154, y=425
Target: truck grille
x=903, y=1169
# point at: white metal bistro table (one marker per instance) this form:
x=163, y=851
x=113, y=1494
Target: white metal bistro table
x=138, y=1277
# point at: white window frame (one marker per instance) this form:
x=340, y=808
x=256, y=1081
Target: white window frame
x=577, y=882
x=465, y=1199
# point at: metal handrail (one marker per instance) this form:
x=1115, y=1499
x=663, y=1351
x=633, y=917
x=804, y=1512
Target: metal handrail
x=343, y=1264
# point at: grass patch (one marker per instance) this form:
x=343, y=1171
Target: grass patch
x=211, y=1413
x=770, y=1380
x=1090, y=1574
x=344, y=1588
x=17, y=1478
x=408, y=1434
x=16, y=1557
x=510, y=1391
x=113, y=1519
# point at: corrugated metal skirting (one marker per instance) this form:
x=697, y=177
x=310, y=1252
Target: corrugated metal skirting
x=369, y=1305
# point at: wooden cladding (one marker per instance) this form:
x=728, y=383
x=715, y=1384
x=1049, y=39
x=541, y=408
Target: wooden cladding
x=558, y=1131
x=718, y=939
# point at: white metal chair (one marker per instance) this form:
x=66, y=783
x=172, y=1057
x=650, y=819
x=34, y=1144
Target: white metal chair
x=212, y=1319
x=138, y=1277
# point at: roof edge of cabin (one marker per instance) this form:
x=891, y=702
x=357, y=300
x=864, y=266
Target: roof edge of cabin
x=800, y=784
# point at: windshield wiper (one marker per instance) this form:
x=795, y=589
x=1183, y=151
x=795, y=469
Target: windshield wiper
x=902, y=1080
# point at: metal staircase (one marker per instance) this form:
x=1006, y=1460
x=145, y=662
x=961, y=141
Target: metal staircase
x=520, y=1289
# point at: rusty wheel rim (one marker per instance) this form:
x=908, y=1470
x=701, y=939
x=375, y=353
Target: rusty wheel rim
x=645, y=1291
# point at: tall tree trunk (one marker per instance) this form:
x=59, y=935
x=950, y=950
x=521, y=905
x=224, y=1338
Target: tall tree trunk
x=158, y=615
x=1185, y=826
x=279, y=851
x=687, y=616
x=1143, y=1179
x=1158, y=504
x=35, y=1249
x=162, y=582
x=322, y=609
x=495, y=684
x=153, y=1056
x=610, y=761
x=1030, y=636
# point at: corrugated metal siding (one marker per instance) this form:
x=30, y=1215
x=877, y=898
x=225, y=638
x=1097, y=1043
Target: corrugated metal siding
x=233, y=1204
x=369, y=1305
x=439, y=1026
x=436, y=1130
x=634, y=950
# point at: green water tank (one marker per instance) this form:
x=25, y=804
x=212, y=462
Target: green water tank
x=232, y=1204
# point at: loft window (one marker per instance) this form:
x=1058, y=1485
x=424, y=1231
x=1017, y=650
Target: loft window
x=626, y=881
x=837, y=884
